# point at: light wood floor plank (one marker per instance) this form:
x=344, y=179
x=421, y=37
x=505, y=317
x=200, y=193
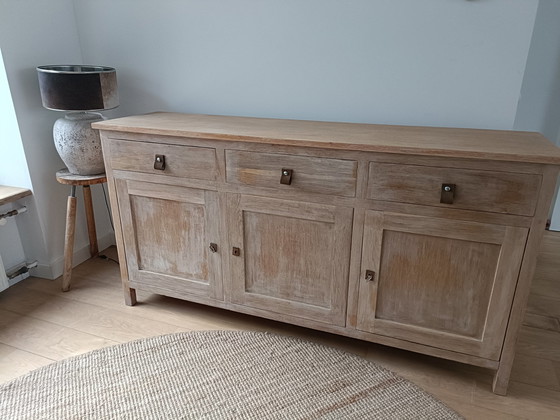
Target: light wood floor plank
x=543, y=322
x=15, y=362
x=42, y=306
x=442, y=378
x=45, y=338
x=92, y=319
x=535, y=371
x=545, y=305
x=523, y=400
x=539, y=343
x=557, y=370
x=475, y=412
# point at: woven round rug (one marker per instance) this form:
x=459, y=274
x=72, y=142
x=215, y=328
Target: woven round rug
x=217, y=375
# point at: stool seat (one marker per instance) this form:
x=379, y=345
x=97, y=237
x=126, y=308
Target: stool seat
x=65, y=177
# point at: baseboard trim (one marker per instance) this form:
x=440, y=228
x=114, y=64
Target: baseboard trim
x=56, y=268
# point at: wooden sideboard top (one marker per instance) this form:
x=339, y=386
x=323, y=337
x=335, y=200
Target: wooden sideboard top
x=516, y=146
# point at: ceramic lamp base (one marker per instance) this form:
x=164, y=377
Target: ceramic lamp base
x=78, y=145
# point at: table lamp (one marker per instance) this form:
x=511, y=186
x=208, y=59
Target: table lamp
x=78, y=90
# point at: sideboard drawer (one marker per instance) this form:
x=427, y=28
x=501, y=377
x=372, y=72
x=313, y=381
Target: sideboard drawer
x=291, y=172
x=165, y=159
x=497, y=192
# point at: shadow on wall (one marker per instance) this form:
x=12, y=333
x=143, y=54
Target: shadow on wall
x=131, y=85
x=551, y=121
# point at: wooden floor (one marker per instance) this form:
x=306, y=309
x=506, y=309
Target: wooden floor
x=40, y=324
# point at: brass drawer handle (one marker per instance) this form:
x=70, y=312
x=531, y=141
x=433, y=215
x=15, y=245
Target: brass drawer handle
x=159, y=162
x=447, y=193
x=286, y=177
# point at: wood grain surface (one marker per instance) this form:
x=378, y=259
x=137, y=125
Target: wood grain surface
x=434, y=141
x=499, y=192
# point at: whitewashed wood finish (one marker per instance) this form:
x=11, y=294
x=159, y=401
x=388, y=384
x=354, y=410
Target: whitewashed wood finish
x=294, y=257
x=502, y=376
x=128, y=292
x=167, y=232
x=499, y=192
x=514, y=146
x=181, y=161
x=483, y=164
x=310, y=174
x=439, y=282
x=355, y=269
x=246, y=155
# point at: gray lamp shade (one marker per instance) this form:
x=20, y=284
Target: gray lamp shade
x=78, y=87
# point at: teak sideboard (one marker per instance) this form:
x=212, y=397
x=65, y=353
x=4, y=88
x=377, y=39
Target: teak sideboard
x=419, y=238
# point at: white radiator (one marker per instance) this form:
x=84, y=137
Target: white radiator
x=12, y=254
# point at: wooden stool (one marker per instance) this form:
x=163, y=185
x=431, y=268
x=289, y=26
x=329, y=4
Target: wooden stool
x=65, y=177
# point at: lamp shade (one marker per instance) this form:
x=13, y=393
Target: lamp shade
x=78, y=87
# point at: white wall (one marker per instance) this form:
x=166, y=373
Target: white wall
x=555, y=225
x=14, y=172
x=539, y=104
x=32, y=33
x=14, y=166
x=429, y=62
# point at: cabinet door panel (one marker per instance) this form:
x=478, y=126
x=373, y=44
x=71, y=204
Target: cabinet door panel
x=294, y=257
x=167, y=231
x=439, y=282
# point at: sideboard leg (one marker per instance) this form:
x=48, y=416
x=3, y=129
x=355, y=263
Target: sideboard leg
x=129, y=296
x=501, y=378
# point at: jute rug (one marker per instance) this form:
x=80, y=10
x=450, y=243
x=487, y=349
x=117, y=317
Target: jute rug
x=216, y=375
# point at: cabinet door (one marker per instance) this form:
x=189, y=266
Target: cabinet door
x=439, y=282
x=293, y=257
x=167, y=231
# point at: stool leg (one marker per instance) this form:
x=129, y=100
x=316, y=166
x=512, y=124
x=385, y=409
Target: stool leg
x=93, y=249
x=69, y=239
